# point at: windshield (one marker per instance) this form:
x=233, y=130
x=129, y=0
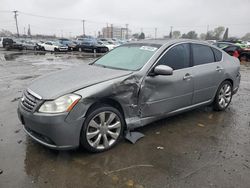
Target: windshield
x=128, y=57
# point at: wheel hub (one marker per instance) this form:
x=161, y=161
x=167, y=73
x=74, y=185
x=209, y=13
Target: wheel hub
x=103, y=130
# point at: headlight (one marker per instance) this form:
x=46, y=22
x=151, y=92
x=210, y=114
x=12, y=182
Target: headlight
x=61, y=104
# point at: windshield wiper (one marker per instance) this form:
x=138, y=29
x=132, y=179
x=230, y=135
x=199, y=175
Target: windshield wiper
x=98, y=65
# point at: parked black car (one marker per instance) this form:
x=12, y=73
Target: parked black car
x=7, y=42
x=12, y=44
x=92, y=47
x=71, y=45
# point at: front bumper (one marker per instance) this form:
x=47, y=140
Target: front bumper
x=55, y=131
x=63, y=49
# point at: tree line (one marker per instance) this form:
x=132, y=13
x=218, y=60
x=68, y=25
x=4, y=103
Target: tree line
x=218, y=33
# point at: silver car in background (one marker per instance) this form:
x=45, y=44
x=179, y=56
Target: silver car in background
x=131, y=86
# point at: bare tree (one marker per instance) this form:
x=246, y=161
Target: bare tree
x=190, y=35
x=176, y=34
x=218, y=31
x=246, y=37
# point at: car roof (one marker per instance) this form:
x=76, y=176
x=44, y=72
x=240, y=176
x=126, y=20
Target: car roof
x=162, y=42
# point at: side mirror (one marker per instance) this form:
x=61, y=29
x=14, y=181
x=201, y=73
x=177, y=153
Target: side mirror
x=162, y=70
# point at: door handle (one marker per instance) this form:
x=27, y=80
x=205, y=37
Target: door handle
x=187, y=76
x=219, y=69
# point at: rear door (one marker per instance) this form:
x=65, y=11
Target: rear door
x=207, y=73
x=162, y=94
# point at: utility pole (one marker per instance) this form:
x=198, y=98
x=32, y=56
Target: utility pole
x=29, y=32
x=111, y=31
x=126, y=31
x=83, y=28
x=15, y=16
x=171, y=30
x=155, y=32
x=207, y=28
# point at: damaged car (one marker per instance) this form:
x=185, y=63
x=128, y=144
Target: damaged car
x=95, y=105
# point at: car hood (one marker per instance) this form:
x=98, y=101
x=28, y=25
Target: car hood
x=67, y=81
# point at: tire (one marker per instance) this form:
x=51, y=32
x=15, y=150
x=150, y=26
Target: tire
x=223, y=96
x=96, y=136
x=80, y=49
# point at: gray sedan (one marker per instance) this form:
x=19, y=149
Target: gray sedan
x=133, y=85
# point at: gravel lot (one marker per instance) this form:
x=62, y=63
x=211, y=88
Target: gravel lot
x=200, y=148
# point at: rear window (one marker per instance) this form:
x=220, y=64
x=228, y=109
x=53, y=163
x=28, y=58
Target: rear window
x=217, y=54
x=202, y=54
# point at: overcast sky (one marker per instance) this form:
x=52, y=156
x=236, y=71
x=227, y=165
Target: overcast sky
x=183, y=15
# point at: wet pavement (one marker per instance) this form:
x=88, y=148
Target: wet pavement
x=200, y=148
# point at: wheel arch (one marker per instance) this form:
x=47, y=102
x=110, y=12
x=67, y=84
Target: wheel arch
x=230, y=80
x=108, y=101
x=227, y=79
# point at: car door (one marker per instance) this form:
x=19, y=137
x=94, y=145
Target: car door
x=207, y=73
x=49, y=46
x=162, y=94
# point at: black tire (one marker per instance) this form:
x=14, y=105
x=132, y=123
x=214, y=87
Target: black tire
x=216, y=104
x=91, y=115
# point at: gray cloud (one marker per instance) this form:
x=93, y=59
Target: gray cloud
x=183, y=15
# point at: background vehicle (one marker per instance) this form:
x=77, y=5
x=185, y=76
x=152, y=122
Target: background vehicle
x=109, y=45
x=71, y=45
x=9, y=44
x=131, y=86
x=29, y=45
x=243, y=54
x=54, y=46
x=223, y=44
x=1, y=42
x=89, y=45
x=6, y=41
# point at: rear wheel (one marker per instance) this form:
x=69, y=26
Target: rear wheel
x=223, y=96
x=102, y=129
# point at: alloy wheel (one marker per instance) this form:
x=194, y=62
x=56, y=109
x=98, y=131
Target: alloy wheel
x=225, y=95
x=103, y=130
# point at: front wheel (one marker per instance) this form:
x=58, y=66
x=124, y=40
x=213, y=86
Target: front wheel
x=102, y=129
x=223, y=96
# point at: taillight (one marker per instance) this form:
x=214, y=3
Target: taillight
x=236, y=54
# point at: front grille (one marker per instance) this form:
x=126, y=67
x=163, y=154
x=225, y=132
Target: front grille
x=29, y=101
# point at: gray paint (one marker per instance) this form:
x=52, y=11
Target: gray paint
x=143, y=98
x=67, y=81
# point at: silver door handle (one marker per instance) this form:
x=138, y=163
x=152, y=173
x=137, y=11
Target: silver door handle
x=187, y=77
x=219, y=69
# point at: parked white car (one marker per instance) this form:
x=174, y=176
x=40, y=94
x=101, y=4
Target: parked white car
x=109, y=45
x=54, y=46
x=1, y=42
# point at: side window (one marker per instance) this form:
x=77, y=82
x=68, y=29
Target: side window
x=202, y=54
x=217, y=54
x=177, y=57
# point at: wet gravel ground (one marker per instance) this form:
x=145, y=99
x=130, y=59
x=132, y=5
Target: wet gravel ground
x=200, y=148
